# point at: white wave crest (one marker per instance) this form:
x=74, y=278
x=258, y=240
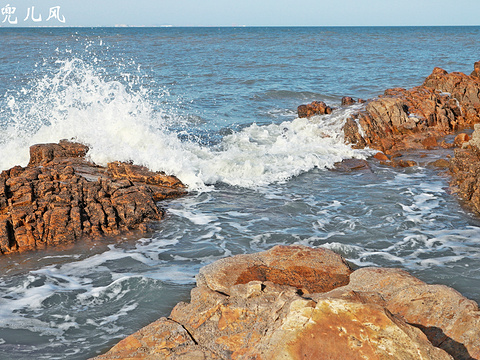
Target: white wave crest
x=120, y=122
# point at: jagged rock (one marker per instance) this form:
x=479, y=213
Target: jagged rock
x=375, y=314
x=315, y=108
x=60, y=197
x=414, y=119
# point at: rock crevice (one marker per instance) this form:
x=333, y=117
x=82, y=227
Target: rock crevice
x=60, y=198
x=367, y=316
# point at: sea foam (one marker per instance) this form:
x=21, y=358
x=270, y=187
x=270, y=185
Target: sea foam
x=122, y=121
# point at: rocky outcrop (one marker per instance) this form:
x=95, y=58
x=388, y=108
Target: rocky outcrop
x=60, y=197
x=315, y=108
x=465, y=171
x=294, y=302
x=416, y=118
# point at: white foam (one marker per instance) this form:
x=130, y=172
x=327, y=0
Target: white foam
x=122, y=121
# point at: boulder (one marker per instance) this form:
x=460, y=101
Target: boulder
x=238, y=312
x=60, y=198
x=314, y=108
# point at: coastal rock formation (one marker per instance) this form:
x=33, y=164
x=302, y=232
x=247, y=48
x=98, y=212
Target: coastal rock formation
x=294, y=302
x=403, y=119
x=60, y=197
x=465, y=171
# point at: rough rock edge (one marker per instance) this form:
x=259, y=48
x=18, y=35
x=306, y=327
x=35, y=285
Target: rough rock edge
x=380, y=313
x=60, y=198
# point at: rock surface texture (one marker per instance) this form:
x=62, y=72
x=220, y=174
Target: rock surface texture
x=412, y=119
x=415, y=119
x=60, y=197
x=465, y=171
x=294, y=302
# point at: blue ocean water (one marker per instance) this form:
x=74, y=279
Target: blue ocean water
x=217, y=108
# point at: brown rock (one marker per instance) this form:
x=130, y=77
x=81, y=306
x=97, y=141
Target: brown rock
x=381, y=156
x=315, y=108
x=450, y=321
x=379, y=314
x=476, y=71
x=440, y=163
x=296, y=266
x=347, y=100
x=465, y=171
x=348, y=165
x=60, y=198
x=430, y=142
x=411, y=119
x=460, y=139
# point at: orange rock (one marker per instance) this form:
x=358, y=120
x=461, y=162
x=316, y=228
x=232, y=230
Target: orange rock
x=296, y=266
x=60, y=198
x=381, y=156
x=314, y=108
x=460, y=139
x=380, y=314
x=430, y=142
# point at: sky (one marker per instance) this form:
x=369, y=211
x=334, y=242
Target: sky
x=21, y=13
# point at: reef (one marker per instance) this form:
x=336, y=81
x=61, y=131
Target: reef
x=295, y=302
x=60, y=198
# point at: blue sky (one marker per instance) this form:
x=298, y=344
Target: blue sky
x=240, y=12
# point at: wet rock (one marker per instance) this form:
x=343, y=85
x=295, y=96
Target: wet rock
x=414, y=119
x=347, y=100
x=60, y=198
x=315, y=108
x=439, y=163
x=376, y=314
x=348, y=165
x=381, y=156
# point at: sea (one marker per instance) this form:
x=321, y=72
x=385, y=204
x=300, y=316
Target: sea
x=217, y=108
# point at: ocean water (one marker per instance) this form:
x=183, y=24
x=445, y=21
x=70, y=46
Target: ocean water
x=217, y=108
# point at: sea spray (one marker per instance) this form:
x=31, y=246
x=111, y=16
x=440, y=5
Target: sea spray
x=121, y=121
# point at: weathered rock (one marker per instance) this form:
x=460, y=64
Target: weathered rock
x=296, y=266
x=60, y=197
x=347, y=100
x=414, y=119
x=315, y=108
x=476, y=70
x=378, y=314
x=465, y=172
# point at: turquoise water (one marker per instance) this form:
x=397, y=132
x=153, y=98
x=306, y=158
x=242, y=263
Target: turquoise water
x=217, y=107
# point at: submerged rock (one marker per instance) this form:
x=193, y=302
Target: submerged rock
x=280, y=312
x=60, y=197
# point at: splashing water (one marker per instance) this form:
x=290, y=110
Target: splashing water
x=120, y=122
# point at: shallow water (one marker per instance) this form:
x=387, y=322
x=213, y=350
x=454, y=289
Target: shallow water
x=216, y=107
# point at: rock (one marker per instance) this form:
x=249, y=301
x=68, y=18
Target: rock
x=476, y=71
x=348, y=165
x=440, y=163
x=60, y=198
x=347, y=100
x=465, y=173
x=460, y=139
x=414, y=119
x=374, y=314
x=381, y=156
x=315, y=108
x=296, y=266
